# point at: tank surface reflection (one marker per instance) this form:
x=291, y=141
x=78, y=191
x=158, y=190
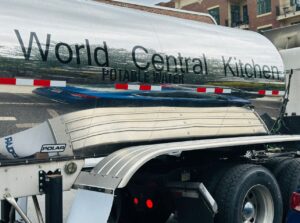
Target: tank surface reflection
x=157, y=60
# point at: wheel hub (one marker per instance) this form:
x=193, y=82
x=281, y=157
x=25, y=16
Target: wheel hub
x=248, y=212
x=258, y=206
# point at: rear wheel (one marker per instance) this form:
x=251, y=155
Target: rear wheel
x=249, y=194
x=276, y=164
x=287, y=173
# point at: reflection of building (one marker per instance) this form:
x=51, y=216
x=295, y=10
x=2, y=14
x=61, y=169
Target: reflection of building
x=289, y=12
x=162, y=11
x=257, y=15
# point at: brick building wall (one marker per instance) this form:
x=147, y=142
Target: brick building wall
x=208, y=4
x=255, y=22
x=262, y=21
x=161, y=11
x=170, y=4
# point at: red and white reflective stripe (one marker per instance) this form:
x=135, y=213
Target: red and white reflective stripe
x=32, y=82
x=214, y=90
x=271, y=93
x=138, y=87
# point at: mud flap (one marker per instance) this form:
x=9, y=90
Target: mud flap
x=91, y=206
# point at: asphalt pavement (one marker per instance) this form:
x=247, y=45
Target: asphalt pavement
x=21, y=109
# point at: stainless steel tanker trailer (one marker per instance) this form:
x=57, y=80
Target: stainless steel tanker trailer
x=188, y=117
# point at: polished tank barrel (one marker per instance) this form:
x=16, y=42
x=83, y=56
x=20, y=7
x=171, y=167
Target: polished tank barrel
x=95, y=46
x=92, y=42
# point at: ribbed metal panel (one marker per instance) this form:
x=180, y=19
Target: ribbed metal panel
x=108, y=126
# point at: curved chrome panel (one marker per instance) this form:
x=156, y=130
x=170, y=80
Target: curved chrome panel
x=95, y=45
x=100, y=43
x=120, y=166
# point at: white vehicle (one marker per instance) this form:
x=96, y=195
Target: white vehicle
x=190, y=119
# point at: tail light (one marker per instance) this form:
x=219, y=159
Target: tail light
x=136, y=201
x=295, y=201
x=149, y=203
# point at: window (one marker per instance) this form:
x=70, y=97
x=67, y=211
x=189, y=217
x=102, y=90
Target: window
x=215, y=12
x=263, y=6
x=235, y=15
x=245, y=15
x=292, y=2
x=295, y=2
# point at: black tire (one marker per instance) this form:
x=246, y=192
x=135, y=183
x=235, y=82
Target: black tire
x=237, y=185
x=212, y=180
x=288, y=178
x=276, y=164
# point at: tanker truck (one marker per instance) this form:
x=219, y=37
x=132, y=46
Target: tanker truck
x=187, y=121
